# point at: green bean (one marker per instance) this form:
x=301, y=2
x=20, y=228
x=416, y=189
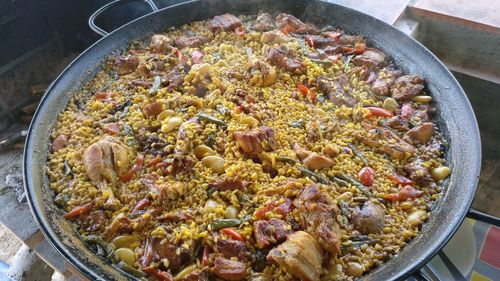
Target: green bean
x=309, y=173
x=223, y=223
x=130, y=270
x=211, y=119
x=288, y=160
x=346, y=178
x=359, y=154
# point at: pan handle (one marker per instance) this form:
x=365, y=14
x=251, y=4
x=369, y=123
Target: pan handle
x=483, y=217
x=101, y=31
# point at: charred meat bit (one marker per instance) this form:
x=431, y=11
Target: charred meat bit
x=297, y=26
x=264, y=22
x=227, y=183
x=229, y=270
x=420, y=135
x=160, y=44
x=381, y=86
x=371, y=58
x=191, y=42
x=370, y=219
x=126, y=64
x=225, y=22
x=406, y=87
x=269, y=232
x=231, y=248
x=334, y=89
x=251, y=142
x=300, y=255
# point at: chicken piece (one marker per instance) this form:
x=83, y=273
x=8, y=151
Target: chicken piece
x=59, y=143
x=191, y=41
x=381, y=86
x=278, y=57
x=370, y=219
x=397, y=123
x=371, y=58
x=225, y=22
x=318, y=217
x=274, y=37
x=269, y=232
x=227, y=183
x=300, y=152
x=106, y=159
x=334, y=89
x=152, y=109
x=296, y=25
x=420, y=134
x=388, y=142
x=300, y=255
x=406, y=87
x=126, y=64
x=229, y=270
x=316, y=161
x=160, y=44
x=264, y=22
x=231, y=248
x=262, y=74
x=252, y=142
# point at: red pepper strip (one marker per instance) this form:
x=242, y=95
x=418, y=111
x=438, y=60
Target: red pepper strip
x=348, y=49
x=401, y=180
x=260, y=213
x=79, y=210
x=366, y=176
x=154, y=161
x=331, y=34
x=285, y=207
x=141, y=205
x=377, y=111
x=240, y=31
x=111, y=128
x=359, y=48
x=196, y=56
x=309, y=41
x=204, y=258
x=303, y=89
x=159, y=274
x=406, y=193
x=139, y=162
x=232, y=233
x=287, y=29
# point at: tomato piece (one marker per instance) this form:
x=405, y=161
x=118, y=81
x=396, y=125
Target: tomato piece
x=332, y=34
x=240, y=31
x=232, y=233
x=359, y=48
x=285, y=207
x=141, y=205
x=406, y=193
x=401, y=180
x=309, y=41
x=303, y=89
x=196, y=56
x=139, y=162
x=378, y=111
x=79, y=210
x=366, y=176
x=287, y=29
x=111, y=128
x=260, y=213
x=204, y=257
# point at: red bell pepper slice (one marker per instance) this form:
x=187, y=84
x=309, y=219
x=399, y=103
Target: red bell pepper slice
x=232, y=233
x=139, y=162
x=378, y=111
x=79, y=210
x=406, y=193
x=401, y=180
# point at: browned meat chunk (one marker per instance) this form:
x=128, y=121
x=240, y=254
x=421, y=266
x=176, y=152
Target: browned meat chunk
x=174, y=78
x=231, y=248
x=334, y=89
x=94, y=221
x=197, y=275
x=126, y=64
x=274, y=37
x=423, y=112
x=300, y=152
x=227, y=183
x=225, y=22
x=346, y=39
x=332, y=50
x=278, y=57
x=382, y=86
x=151, y=66
x=416, y=172
x=59, y=143
x=191, y=42
x=397, y=123
x=264, y=22
x=300, y=255
x=256, y=141
x=317, y=161
x=162, y=249
x=421, y=134
x=388, y=142
x=152, y=109
x=160, y=44
x=371, y=58
x=319, y=41
x=406, y=87
x=229, y=270
x=318, y=217
x=370, y=219
x=269, y=232
x=295, y=24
